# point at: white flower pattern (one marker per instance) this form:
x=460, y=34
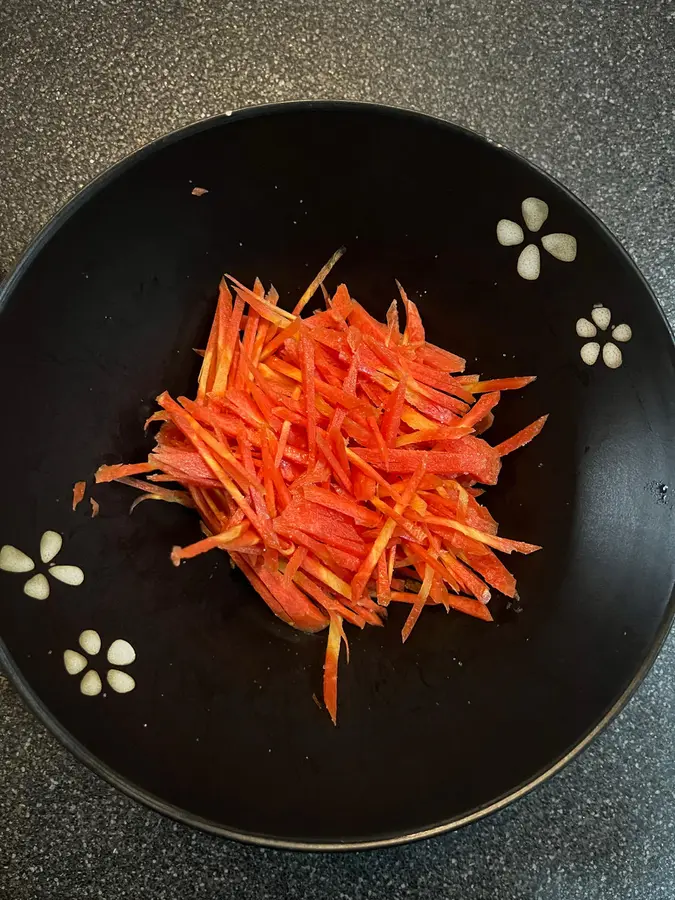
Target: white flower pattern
x=37, y=586
x=559, y=245
x=119, y=653
x=601, y=318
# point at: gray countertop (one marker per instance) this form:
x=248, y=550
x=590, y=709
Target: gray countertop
x=583, y=88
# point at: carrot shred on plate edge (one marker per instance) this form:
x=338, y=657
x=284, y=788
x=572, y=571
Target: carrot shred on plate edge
x=78, y=493
x=336, y=459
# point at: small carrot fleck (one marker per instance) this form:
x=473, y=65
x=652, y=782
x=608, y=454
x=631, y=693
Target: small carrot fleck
x=78, y=493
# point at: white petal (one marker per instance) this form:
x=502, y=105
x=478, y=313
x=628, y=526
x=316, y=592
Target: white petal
x=50, y=544
x=74, y=662
x=562, y=246
x=91, y=683
x=602, y=317
x=535, y=213
x=37, y=587
x=509, y=233
x=590, y=353
x=586, y=329
x=90, y=641
x=13, y=560
x=121, y=653
x=528, y=263
x=72, y=575
x=622, y=333
x=611, y=355
x=120, y=681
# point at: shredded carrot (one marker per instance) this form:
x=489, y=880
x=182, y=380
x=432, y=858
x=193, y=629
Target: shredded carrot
x=337, y=459
x=78, y=493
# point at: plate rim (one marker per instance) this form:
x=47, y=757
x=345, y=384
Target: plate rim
x=19, y=681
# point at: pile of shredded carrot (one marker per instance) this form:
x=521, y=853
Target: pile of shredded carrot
x=336, y=459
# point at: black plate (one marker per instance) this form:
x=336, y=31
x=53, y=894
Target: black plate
x=221, y=730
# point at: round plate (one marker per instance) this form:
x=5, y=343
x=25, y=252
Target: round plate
x=221, y=730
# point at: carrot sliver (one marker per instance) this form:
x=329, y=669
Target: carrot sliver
x=307, y=354
x=418, y=606
x=226, y=344
x=521, y=438
x=491, y=540
x=78, y=493
x=500, y=384
x=112, y=473
x=316, y=281
x=219, y=540
x=361, y=578
x=414, y=330
x=330, y=667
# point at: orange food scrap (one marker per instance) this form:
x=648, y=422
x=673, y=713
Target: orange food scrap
x=78, y=493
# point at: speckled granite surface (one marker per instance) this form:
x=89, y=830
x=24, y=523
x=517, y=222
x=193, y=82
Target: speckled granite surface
x=584, y=89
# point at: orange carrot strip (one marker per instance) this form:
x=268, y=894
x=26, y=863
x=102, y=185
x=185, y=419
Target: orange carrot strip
x=465, y=577
x=521, y=437
x=357, y=511
x=330, y=667
x=462, y=604
x=484, y=405
x=440, y=433
x=391, y=421
x=333, y=462
x=274, y=314
x=414, y=330
x=227, y=341
x=491, y=540
x=160, y=493
x=178, y=554
x=159, y=416
x=112, y=473
x=78, y=493
x=283, y=440
x=393, y=333
x=410, y=597
x=418, y=606
x=379, y=440
x=361, y=578
x=318, y=280
x=223, y=313
x=294, y=563
x=500, y=384
x=285, y=335
x=383, y=581
x=268, y=478
x=250, y=332
x=308, y=375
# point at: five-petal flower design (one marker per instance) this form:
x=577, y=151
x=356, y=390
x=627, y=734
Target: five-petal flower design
x=37, y=586
x=119, y=653
x=559, y=245
x=601, y=318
